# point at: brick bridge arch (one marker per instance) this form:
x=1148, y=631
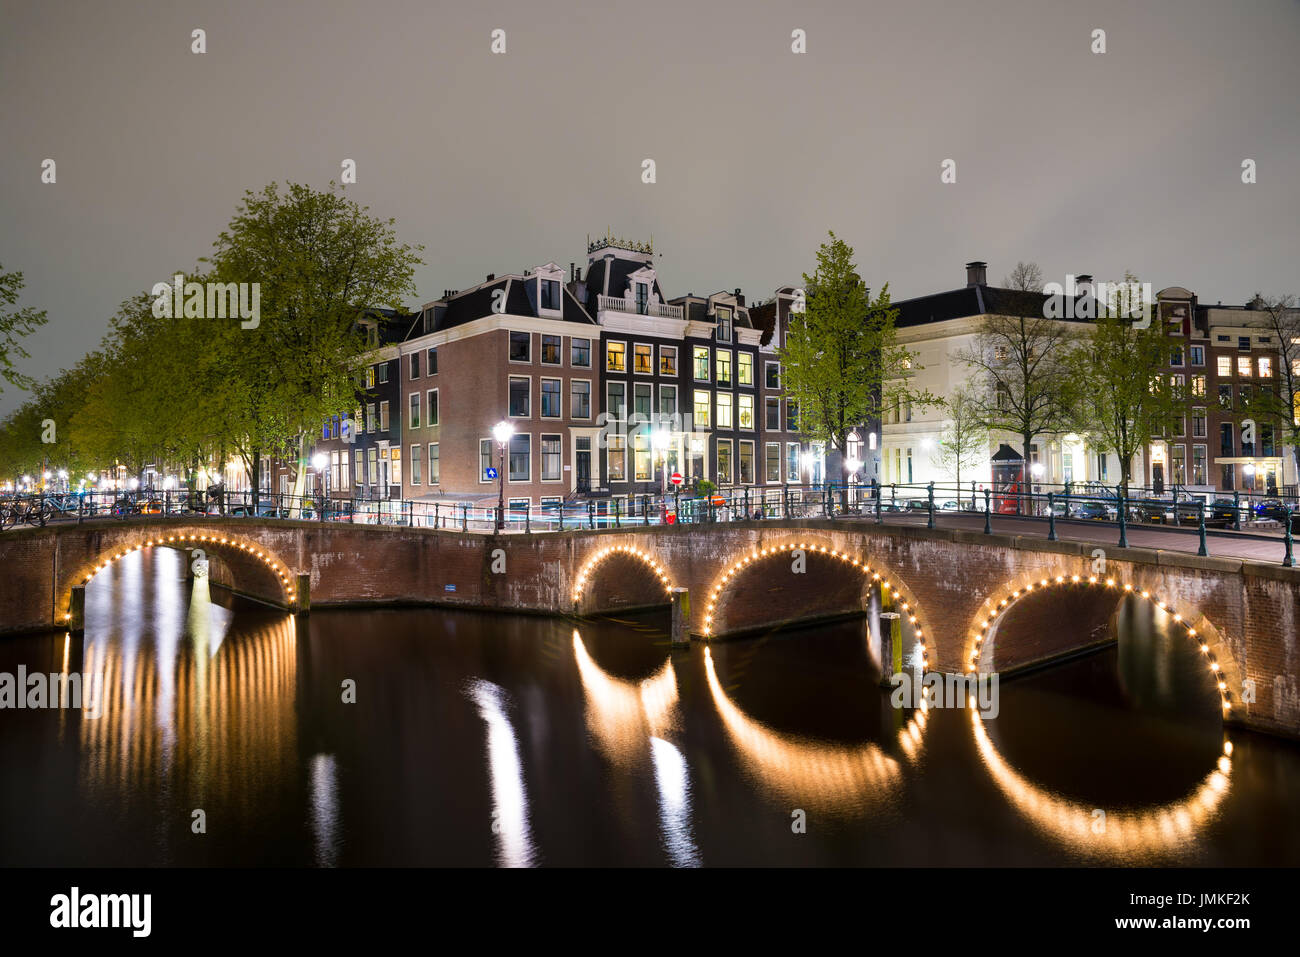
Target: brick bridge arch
x=1087, y=602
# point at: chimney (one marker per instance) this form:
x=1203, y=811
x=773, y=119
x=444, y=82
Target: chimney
x=573, y=272
x=740, y=298
x=976, y=274
x=491, y=276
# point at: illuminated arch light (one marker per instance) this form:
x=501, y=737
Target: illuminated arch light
x=908, y=606
x=273, y=565
x=631, y=551
x=977, y=642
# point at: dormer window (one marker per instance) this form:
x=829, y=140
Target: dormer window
x=723, y=316
x=550, y=293
x=642, y=298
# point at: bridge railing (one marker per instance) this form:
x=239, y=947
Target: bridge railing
x=1046, y=503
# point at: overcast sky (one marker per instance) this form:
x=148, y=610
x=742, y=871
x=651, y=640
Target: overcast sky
x=1092, y=163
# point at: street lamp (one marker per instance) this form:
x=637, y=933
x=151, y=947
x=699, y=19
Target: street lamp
x=502, y=432
x=319, y=461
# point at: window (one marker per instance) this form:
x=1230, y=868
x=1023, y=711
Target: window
x=1198, y=385
x=325, y=429
x=1225, y=397
x=415, y=465
x=1265, y=367
x=722, y=362
x=792, y=417
x=374, y=466
x=615, y=357
x=521, y=446
x=484, y=459
x=1198, y=424
x=520, y=395
x=616, y=458
x=550, y=294
x=344, y=471
x=1198, y=464
x=642, y=399
x=668, y=401
x=1225, y=366
x=700, y=361
x=551, y=350
x=370, y=377
x=724, y=410
x=724, y=462
x=642, y=298
x=580, y=353
x=616, y=399
x=792, y=463
x=1178, y=465
x=643, y=359
x=381, y=373
x=772, y=461
x=1243, y=343
x=1243, y=366
x=435, y=465
x=1176, y=356
x=433, y=407
x=1180, y=426
x=1229, y=477
x=746, y=463
x=723, y=317
x=745, y=368
x=580, y=399
x=415, y=365
x=1198, y=355
x=641, y=465
x=551, y=399
x=383, y=416
x=1269, y=448
x=521, y=345
x=772, y=414
x=415, y=410
x=668, y=360
x=432, y=361
x=1177, y=387
x=361, y=473
x=1000, y=353
x=550, y=458
x=702, y=403
x=772, y=373
x=695, y=459
x=1225, y=439
x=745, y=411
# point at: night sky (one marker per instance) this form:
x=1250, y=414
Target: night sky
x=496, y=163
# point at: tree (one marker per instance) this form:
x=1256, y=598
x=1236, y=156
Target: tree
x=1026, y=277
x=841, y=362
x=1020, y=364
x=15, y=324
x=964, y=443
x=1122, y=398
x=321, y=262
x=1279, y=401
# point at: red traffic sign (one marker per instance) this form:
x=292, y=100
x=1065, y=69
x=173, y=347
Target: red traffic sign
x=675, y=478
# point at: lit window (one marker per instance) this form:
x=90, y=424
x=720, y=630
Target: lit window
x=701, y=409
x=1243, y=366
x=615, y=357
x=1225, y=366
x=1265, y=367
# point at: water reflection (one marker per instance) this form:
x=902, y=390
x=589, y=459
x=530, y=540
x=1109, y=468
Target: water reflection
x=509, y=797
x=813, y=773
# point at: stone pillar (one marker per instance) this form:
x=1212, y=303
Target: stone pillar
x=304, y=593
x=891, y=640
x=77, y=609
x=681, y=617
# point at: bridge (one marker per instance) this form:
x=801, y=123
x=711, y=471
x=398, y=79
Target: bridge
x=949, y=599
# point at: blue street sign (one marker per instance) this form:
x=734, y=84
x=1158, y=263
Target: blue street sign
x=490, y=472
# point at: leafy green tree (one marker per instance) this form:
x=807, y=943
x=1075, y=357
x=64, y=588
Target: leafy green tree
x=1122, y=398
x=15, y=324
x=841, y=362
x=321, y=262
x=964, y=443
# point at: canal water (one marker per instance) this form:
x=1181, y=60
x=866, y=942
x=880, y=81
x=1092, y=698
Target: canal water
x=232, y=734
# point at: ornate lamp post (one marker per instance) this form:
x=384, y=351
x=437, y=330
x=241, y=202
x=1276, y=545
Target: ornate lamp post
x=502, y=432
x=320, y=461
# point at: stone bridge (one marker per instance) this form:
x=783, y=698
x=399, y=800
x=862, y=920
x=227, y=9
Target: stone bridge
x=966, y=601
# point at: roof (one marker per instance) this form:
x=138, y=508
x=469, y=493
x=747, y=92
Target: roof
x=520, y=300
x=972, y=301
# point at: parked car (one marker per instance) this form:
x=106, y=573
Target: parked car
x=918, y=505
x=1153, y=511
x=1094, y=511
x=1221, y=513
x=1189, y=511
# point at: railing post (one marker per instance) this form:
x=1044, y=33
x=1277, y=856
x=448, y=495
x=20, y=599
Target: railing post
x=1236, y=510
x=591, y=514
x=988, y=529
x=618, y=521
x=930, y=500
x=1201, y=549
x=1051, y=517
x=1123, y=517
x=747, y=512
x=645, y=510
x=880, y=516
x=464, y=518
x=528, y=519
x=785, y=501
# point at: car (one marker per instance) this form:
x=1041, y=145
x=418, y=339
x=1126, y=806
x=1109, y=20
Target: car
x=1153, y=511
x=1094, y=511
x=1189, y=512
x=918, y=505
x=1270, y=509
x=1221, y=513
x=952, y=506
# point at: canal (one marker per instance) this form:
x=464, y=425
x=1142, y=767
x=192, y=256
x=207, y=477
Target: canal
x=232, y=734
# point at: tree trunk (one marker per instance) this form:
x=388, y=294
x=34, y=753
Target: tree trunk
x=300, y=479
